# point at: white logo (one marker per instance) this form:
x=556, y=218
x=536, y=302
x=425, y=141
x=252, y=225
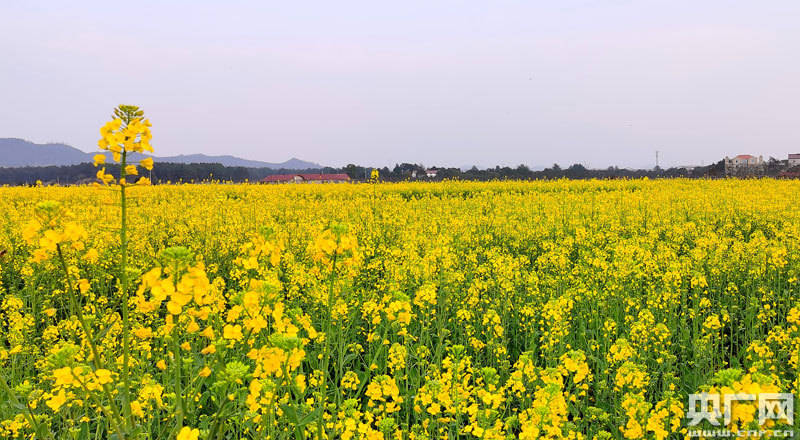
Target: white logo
x=709, y=409
x=775, y=406
x=771, y=406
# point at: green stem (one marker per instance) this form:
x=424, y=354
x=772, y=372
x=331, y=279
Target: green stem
x=377, y=354
x=178, y=367
x=218, y=416
x=178, y=382
x=29, y=414
x=114, y=421
x=123, y=238
x=326, y=354
x=87, y=332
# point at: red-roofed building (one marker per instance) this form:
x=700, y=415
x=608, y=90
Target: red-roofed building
x=794, y=159
x=306, y=178
x=744, y=165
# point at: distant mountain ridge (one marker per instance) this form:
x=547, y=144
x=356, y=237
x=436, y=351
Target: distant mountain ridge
x=16, y=152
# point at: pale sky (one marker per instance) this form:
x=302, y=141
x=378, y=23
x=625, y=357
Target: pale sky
x=434, y=82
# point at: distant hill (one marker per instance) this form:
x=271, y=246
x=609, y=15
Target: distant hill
x=232, y=161
x=21, y=153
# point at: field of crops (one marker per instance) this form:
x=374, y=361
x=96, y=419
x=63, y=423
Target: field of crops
x=565, y=309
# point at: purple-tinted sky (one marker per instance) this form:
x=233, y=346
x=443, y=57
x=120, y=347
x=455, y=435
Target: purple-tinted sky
x=437, y=82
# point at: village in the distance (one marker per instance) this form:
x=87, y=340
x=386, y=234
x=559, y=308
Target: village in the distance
x=26, y=163
x=745, y=165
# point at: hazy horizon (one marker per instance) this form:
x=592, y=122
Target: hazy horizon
x=445, y=83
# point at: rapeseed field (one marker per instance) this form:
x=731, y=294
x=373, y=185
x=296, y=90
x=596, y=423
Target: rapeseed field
x=455, y=310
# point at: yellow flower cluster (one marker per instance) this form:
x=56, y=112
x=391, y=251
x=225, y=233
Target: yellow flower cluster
x=126, y=133
x=133, y=137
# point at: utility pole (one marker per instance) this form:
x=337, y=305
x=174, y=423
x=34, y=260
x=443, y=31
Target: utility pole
x=656, y=159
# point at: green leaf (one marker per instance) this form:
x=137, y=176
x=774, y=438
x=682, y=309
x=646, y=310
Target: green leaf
x=310, y=417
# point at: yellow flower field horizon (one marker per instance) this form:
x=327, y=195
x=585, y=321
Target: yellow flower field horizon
x=548, y=309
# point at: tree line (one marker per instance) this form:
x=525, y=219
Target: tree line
x=207, y=172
